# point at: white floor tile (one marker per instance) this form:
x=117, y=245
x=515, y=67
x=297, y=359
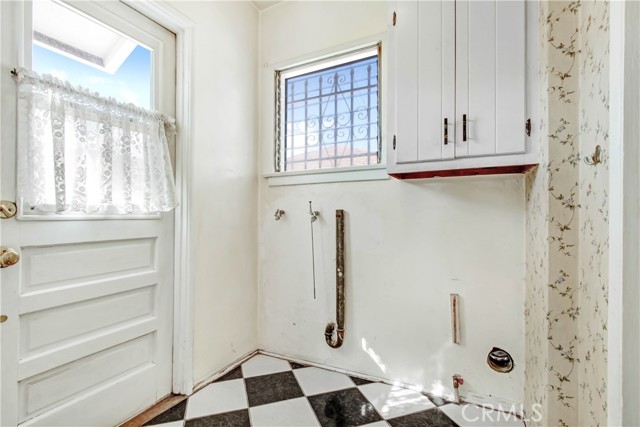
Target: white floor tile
x=216, y=398
x=263, y=365
x=171, y=424
x=377, y=424
x=392, y=401
x=475, y=416
x=316, y=380
x=287, y=413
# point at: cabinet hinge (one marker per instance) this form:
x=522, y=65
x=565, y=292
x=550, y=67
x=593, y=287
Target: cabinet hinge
x=394, y=19
x=394, y=142
x=527, y=127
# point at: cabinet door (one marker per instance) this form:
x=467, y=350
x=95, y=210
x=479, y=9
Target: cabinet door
x=436, y=80
x=425, y=80
x=406, y=45
x=490, y=77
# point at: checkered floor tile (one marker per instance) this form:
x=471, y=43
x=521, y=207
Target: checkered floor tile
x=267, y=391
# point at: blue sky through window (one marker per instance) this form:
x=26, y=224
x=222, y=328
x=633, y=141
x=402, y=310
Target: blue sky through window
x=130, y=84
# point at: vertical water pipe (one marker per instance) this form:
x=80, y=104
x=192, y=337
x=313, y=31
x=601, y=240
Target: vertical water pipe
x=340, y=302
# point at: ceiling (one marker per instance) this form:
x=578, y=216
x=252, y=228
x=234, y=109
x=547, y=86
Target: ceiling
x=263, y=4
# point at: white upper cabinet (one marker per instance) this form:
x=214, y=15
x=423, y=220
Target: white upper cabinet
x=459, y=86
x=490, y=77
x=425, y=81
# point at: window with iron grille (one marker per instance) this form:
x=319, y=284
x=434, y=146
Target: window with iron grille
x=327, y=113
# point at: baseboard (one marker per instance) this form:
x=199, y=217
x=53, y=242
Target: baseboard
x=498, y=404
x=222, y=372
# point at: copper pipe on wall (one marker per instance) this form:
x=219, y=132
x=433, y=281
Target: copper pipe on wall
x=340, y=302
x=455, y=318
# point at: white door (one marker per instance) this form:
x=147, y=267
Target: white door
x=88, y=335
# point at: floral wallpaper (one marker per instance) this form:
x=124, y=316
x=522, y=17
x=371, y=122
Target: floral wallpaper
x=567, y=234
x=537, y=258
x=594, y=214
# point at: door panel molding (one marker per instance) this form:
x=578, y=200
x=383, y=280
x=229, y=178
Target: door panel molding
x=98, y=260
x=42, y=392
x=42, y=362
x=103, y=415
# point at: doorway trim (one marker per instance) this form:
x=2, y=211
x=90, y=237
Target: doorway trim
x=623, y=388
x=183, y=295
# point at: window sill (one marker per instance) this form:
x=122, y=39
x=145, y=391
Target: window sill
x=319, y=176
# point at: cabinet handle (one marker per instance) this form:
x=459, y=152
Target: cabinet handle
x=446, y=131
x=464, y=128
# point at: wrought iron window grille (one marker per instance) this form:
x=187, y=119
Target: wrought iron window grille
x=327, y=113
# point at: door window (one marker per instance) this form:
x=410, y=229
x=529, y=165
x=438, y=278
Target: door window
x=73, y=47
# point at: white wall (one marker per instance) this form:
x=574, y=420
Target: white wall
x=409, y=244
x=225, y=52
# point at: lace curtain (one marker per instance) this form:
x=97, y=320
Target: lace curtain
x=78, y=152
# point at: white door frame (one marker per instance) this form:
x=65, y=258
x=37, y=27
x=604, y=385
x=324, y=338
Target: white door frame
x=624, y=212
x=183, y=302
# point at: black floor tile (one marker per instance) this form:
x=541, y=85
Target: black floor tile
x=438, y=401
x=295, y=365
x=235, y=419
x=343, y=408
x=175, y=413
x=272, y=388
x=431, y=418
x=233, y=375
x=360, y=381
